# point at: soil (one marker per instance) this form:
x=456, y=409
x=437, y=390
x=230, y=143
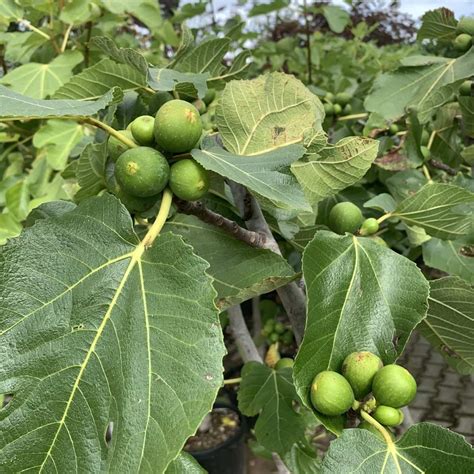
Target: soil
x=218, y=426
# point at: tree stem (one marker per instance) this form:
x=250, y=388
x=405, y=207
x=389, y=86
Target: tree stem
x=352, y=117
x=65, y=39
x=377, y=425
x=232, y=381
x=110, y=131
x=155, y=229
x=241, y=335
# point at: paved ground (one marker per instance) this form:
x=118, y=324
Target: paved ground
x=444, y=397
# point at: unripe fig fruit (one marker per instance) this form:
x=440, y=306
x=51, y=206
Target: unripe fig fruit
x=331, y=393
x=142, y=130
x=462, y=42
x=387, y=415
x=359, y=368
x=178, y=126
x=393, y=386
x=343, y=98
x=393, y=129
x=329, y=97
x=279, y=328
x=337, y=109
x=465, y=88
x=142, y=171
x=369, y=226
x=200, y=106
x=189, y=180
x=425, y=137
x=347, y=109
x=425, y=151
x=345, y=217
x=210, y=96
x=287, y=338
x=365, y=425
x=284, y=362
x=329, y=109
x=273, y=337
x=115, y=147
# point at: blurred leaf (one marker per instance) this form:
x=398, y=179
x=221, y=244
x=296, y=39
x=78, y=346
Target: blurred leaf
x=185, y=464
x=336, y=17
x=438, y=24
x=467, y=110
x=9, y=227
x=41, y=80
x=90, y=170
x=266, y=8
x=382, y=202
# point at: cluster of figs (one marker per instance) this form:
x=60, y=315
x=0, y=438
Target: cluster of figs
x=365, y=385
x=158, y=156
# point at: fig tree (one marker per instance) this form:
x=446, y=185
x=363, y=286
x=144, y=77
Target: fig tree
x=189, y=180
x=387, y=415
x=359, y=368
x=142, y=129
x=393, y=386
x=178, y=126
x=369, y=226
x=115, y=147
x=142, y=171
x=331, y=393
x=284, y=362
x=345, y=217
x=462, y=42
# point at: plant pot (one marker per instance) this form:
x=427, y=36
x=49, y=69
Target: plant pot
x=229, y=457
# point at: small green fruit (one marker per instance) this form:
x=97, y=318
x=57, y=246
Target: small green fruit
x=462, y=42
x=466, y=25
x=328, y=109
x=465, y=88
x=178, y=126
x=337, y=109
x=369, y=226
x=365, y=425
x=425, y=137
x=343, y=98
x=393, y=129
x=189, y=180
x=331, y=393
x=273, y=337
x=142, y=171
x=284, y=362
x=200, y=106
x=142, y=130
x=345, y=217
x=394, y=386
x=359, y=368
x=387, y=415
x=115, y=147
x=210, y=96
x=347, y=109
x=329, y=97
x=279, y=328
x=425, y=151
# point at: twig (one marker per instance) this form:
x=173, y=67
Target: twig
x=241, y=335
x=86, y=44
x=210, y=217
x=256, y=316
x=443, y=166
x=66, y=37
x=232, y=381
x=352, y=117
x=160, y=220
x=110, y=131
x=2, y=60
x=308, y=42
x=291, y=295
x=281, y=468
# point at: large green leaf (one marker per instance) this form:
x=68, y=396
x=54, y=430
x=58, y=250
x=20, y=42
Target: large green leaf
x=266, y=113
x=467, y=110
x=185, y=464
x=431, y=208
x=438, y=24
x=415, y=82
x=162, y=79
x=449, y=325
x=18, y=106
x=451, y=256
x=337, y=167
x=90, y=170
x=361, y=296
x=58, y=138
x=271, y=395
x=42, y=80
x=267, y=174
x=103, y=333
x=424, y=448
x=254, y=271
x=99, y=79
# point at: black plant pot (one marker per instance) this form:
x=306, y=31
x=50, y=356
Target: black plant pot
x=230, y=456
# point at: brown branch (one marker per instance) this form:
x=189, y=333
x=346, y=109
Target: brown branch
x=86, y=44
x=255, y=239
x=291, y=295
x=443, y=166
